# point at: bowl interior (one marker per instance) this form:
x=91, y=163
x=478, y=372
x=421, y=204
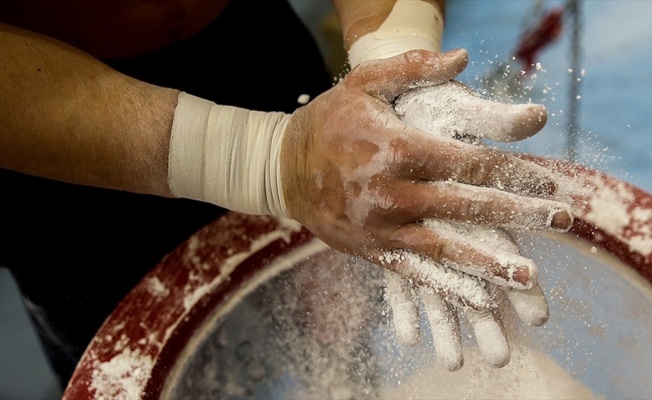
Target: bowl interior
x=317, y=326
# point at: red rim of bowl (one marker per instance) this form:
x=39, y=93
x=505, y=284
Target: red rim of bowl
x=131, y=355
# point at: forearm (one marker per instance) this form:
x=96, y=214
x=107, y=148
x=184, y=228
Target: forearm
x=361, y=17
x=65, y=115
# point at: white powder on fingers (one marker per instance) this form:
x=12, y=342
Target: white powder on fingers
x=490, y=337
x=491, y=242
x=515, y=211
x=456, y=287
x=530, y=305
x=445, y=329
x=452, y=110
x=398, y=293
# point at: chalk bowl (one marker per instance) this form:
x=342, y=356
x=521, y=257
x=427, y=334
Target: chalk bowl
x=256, y=307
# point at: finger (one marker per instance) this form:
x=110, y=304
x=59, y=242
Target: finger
x=452, y=110
x=454, y=286
x=405, y=315
x=469, y=249
x=464, y=203
x=530, y=305
x=445, y=329
x=490, y=336
x=430, y=158
x=390, y=77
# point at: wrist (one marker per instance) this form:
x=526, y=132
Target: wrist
x=227, y=156
x=409, y=26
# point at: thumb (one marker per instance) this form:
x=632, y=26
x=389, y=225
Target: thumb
x=453, y=110
x=388, y=78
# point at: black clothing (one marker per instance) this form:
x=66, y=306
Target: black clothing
x=76, y=251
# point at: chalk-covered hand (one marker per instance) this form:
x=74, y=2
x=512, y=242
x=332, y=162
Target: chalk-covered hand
x=457, y=293
x=368, y=184
x=452, y=110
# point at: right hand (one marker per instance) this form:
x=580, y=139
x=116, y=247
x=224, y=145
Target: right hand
x=364, y=182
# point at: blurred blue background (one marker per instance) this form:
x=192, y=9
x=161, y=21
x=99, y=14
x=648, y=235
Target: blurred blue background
x=615, y=108
x=614, y=118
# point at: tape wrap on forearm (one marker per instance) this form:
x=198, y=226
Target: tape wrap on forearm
x=227, y=156
x=409, y=26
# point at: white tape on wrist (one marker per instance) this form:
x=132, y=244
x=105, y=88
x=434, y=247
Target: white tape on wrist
x=409, y=26
x=227, y=156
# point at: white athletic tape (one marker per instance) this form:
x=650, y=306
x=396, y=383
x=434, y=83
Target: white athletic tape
x=410, y=25
x=227, y=156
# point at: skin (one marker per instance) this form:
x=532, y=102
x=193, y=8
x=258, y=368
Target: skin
x=366, y=181
x=50, y=65
x=93, y=126
x=352, y=172
x=351, y=169
x=473, y=116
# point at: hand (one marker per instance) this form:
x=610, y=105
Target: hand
x=364, y=182
x=452, y=110
x=479, y=301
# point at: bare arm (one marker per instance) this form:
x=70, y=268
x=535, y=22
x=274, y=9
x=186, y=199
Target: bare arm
x=65, y=115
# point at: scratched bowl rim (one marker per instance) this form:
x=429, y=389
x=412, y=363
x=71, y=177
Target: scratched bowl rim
x=131, y=355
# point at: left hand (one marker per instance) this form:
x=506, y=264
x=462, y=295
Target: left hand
x=453, y=110
x=459, y=293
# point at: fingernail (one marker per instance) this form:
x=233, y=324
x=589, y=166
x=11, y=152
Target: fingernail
x=561, y=220
x=522, y=276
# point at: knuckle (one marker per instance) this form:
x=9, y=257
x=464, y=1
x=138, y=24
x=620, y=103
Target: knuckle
x=438, y=251
x=398, y=148
x=476, y=171
x=469, y=209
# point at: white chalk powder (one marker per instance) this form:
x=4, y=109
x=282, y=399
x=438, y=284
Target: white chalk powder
x=452, y=110
x=530, y=375
x=122, y=377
